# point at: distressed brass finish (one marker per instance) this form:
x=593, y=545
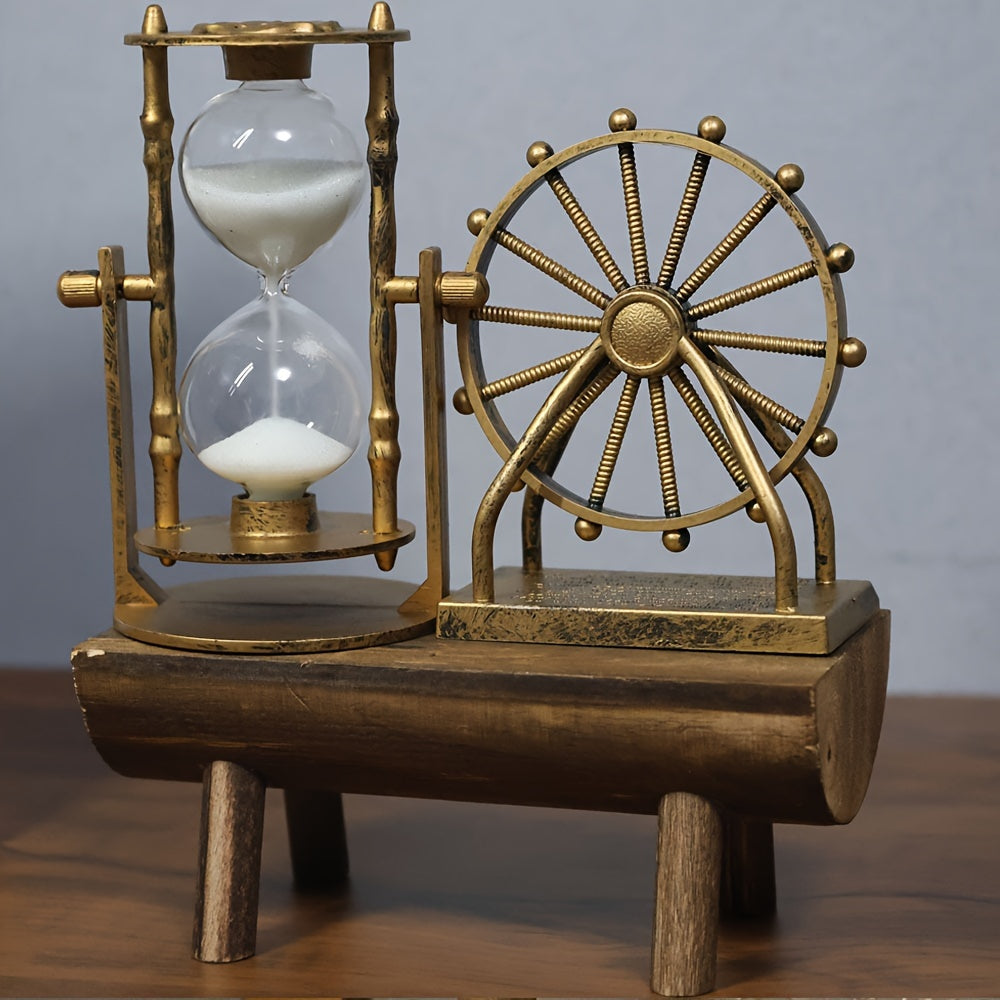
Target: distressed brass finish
x=641, y=330
x=157, y=125
x=657, y=611
x=382, y=122
x=276, y=614
x=247, y=536
x=133, y=587
x=273, y=518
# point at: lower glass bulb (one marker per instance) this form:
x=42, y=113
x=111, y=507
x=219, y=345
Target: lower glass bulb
x=271, y=399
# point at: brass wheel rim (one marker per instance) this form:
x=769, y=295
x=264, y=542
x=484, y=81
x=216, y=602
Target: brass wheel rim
x=822, y=264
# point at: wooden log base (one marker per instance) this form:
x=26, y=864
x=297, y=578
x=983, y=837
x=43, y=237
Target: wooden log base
x=232, y=825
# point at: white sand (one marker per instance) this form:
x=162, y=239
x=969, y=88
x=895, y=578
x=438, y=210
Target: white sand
x=275, y=458
x=273, y=214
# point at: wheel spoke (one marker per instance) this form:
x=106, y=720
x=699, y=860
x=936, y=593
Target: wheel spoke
x=586, y=230
x=736, y=236
x=536, y=373
x=682, y=223
x=633, y=213
x=533, y=317
x=664, y=449
x=753, y=397
x=613, y=445
x=709, y=427
x=760, y=342
x=755, y=290
x=569, y=417
x=548, y=266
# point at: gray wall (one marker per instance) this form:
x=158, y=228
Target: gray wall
x=889, y=107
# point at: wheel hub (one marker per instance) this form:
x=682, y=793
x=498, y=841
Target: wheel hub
x=641, y=330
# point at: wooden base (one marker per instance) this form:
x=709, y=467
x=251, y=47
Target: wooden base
x=693, y=736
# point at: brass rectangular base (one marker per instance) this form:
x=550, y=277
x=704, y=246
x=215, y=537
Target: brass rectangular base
x=658, y=611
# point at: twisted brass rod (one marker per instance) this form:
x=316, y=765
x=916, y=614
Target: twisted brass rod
x=726, y=246
x=664, y=448
x=613, y=445
x=572, y=413
x=755, y=290
x=744, y=391
x=529, y=376
x=633, y=213
x=761, y=342
x=586, y=229
x=551, y=268
x=708, y=426
x=527, y=450
x=534, y=317
x=685, y=212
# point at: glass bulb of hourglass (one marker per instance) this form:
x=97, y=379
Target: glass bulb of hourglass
x=271, y=398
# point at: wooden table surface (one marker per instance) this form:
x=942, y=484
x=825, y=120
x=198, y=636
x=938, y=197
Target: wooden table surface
x=97, y=878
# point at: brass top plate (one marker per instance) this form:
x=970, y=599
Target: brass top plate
x=209, y=540
x=293, y=36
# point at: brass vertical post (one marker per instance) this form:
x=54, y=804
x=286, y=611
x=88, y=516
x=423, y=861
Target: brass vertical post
x=158, y=156
x=132, y=586
x=382, y=122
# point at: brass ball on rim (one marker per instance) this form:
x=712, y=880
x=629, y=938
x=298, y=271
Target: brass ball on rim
x=790, y=177
x=712, y=128
x=587, y=530
x=537, y=152
x=823, y=443
x=477, y=219
x=852, y=352
x=676, y=541
x=755, y=512
x=840, y=257
x=622, y=120
x=461, y=401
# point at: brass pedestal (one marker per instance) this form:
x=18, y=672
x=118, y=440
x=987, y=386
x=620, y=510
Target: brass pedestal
x=719, y=745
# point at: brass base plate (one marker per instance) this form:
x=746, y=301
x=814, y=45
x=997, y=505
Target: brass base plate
x=658, y=611
x=209, y=540
x=278, y=614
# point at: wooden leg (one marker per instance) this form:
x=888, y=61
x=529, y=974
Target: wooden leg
x=232, y=824
x=688, y=871
x=317, y=839
x=748, y=888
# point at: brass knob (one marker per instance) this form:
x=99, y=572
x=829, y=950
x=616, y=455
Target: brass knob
x=79, y=288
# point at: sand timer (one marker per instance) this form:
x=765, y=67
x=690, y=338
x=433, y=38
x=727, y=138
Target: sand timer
x=273, y=398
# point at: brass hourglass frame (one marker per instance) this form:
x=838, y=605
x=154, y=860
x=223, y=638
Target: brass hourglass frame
x=286, y=613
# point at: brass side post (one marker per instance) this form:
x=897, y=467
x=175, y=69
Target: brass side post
x=132, y=586
x=382, y=122
x=158, y=156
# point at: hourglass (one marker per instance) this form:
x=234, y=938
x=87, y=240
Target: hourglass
x=272, y=400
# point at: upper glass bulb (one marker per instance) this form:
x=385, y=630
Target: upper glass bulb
x=271, y=173
x=271, y=398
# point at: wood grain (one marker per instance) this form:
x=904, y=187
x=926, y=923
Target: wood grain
x=450, y=899
x=688, y=870
x=232, y=826
x=772, y=737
